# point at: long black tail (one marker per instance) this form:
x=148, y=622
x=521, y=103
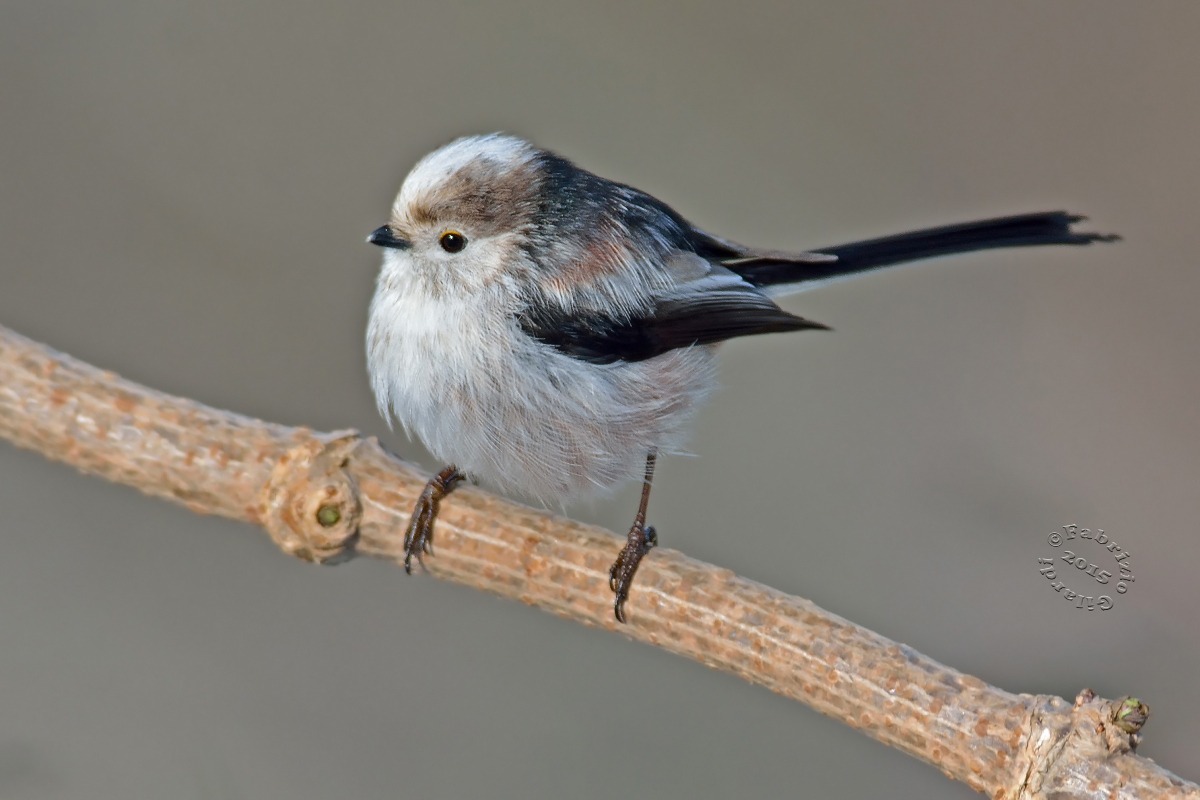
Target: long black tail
x=1023, y=230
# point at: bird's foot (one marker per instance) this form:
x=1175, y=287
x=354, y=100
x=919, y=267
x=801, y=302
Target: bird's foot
x=418, y=540
x=642, y=539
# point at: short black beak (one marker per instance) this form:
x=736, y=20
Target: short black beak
x=384, y=236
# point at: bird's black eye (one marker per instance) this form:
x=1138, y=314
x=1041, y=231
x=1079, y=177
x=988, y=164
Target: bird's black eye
x=452, y=241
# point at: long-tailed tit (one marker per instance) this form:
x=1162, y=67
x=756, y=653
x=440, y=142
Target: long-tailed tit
x=551, y=332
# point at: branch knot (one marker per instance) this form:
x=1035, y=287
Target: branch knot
x=311, y=505
x=1094, y=730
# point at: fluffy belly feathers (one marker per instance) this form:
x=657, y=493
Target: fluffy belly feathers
x=563, y=431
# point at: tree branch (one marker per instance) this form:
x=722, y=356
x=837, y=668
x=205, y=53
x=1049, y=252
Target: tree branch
x=326, y=497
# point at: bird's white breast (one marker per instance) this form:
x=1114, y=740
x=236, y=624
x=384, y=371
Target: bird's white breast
x=458, y=373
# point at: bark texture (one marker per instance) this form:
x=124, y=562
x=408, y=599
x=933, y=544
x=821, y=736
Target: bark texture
x=326, y=497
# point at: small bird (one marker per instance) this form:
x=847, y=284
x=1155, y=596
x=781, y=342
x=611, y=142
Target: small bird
x=550, y=332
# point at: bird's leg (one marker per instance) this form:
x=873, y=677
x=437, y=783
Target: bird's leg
x=418, y=540
x=640, y=541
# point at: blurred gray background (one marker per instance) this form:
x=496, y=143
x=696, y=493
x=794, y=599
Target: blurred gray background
x=185, y=193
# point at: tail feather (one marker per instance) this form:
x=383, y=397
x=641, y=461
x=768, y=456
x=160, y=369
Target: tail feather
x=1024, y=230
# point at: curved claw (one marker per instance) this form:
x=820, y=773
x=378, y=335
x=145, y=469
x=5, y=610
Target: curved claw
x=418, y=539
x=642, y=539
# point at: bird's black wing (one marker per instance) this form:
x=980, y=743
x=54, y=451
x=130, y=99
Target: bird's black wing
x=716, y=308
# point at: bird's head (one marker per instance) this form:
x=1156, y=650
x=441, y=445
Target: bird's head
x=464, y=214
